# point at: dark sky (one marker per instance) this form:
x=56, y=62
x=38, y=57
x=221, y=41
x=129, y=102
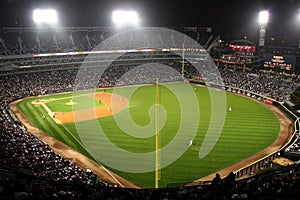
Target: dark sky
x=228, y=17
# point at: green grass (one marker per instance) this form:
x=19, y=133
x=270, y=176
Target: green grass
x=248, y=129
x=82, y=102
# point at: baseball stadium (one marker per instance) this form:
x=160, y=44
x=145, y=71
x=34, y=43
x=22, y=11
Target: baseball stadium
x=146, y=113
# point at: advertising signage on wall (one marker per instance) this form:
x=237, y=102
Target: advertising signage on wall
x=242, y=48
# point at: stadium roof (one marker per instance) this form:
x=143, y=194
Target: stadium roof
x=232, y=17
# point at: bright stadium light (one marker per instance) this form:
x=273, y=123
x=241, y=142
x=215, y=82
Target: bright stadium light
x=48, y=16
x=120, y=17
x=298, y=20
x=299, y=17
x=263, y=17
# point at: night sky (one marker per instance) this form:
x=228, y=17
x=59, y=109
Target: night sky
x=230, y=18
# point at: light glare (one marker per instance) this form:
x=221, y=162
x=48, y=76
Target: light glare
x=263, y=17
x=125, y=17
x=44, y=16
x=299, y=16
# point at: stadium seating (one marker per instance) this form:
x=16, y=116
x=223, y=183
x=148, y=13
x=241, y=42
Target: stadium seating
x=21, y=75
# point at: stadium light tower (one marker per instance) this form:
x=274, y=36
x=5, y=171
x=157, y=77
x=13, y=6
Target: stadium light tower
x=45, y=16
x=263, y=21
x=121, y=18
x=298, y=19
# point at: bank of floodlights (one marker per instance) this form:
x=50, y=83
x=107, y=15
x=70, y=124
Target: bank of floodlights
x=121, y=17
x=44, y=16
x=263, y=17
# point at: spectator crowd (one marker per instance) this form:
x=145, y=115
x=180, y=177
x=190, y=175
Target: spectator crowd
x=25, y=152
x=272, y=85
x=59, y=178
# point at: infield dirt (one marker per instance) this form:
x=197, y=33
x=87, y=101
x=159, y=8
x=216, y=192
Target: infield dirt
x=113, y=104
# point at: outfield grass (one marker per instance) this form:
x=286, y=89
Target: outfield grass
x=248, y=129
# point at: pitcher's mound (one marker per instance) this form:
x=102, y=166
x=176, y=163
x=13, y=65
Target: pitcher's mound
x=71, y=103
x=113, y=104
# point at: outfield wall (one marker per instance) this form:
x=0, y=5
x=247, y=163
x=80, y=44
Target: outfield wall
x=265, y=162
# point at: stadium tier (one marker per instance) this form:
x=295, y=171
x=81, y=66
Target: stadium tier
x=18, y=41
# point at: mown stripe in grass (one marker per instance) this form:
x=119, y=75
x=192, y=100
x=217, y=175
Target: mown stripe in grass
x=243, y=135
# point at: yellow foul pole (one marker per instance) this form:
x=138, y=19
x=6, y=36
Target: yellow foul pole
x=156, y=137
x=182, y=64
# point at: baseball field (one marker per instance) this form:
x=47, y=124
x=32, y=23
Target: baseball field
x=249, y=127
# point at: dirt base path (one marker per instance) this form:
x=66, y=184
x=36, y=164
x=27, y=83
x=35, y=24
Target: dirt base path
x=69, y=153
x=286, y=131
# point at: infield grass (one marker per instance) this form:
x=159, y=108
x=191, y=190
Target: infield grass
x=248, y=129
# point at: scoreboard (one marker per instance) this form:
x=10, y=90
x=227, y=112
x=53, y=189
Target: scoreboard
x=279, y=63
